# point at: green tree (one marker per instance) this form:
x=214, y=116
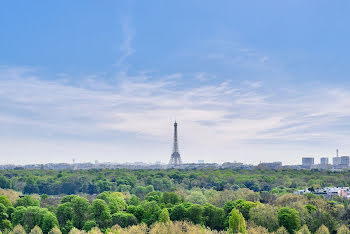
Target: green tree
x=289, y=218
x=104, y=196
x=5, y=225
x=151, y=212
x=18, y=215
x=5, y=201
x=49, y=222
x=237, y=222
x=90, y=224
x=64, y=212
x=116, y=205
x=3, y=212
x=4, y=182
x=27, y=201
x=194, y=214
x=67, y=227
x=134, y=200
x=170, y=197
x=101, y=213
x=30, y=217
x=311, y=208
x=197, y=197
x=244, y=207
x=229, y=206
x=164, y=216
x=80, y=213
x=265, y=216
x=213, y=216
x=319, y=218
x=137, y=211
x=178, y=213
x=68, y=198
x=124, y=219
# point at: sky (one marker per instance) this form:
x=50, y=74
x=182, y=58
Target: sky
x=247, y=81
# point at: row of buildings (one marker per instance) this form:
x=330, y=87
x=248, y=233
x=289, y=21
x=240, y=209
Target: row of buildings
x=328, y=192
x=338, y=162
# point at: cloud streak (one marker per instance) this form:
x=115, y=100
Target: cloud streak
x=215, y=118
x=126, y=47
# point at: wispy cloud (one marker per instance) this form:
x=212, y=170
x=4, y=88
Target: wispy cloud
x=126, y=47
x=204, y=76
x=222, y=116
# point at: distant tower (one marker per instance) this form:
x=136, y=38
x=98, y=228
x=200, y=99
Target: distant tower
x=175, y=156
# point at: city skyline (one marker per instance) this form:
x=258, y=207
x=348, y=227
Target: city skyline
x=106, y=81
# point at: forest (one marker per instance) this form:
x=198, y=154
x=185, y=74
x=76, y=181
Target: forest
x=171, y=201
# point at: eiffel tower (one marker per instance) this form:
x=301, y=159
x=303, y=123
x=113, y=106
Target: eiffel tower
x=175, y=158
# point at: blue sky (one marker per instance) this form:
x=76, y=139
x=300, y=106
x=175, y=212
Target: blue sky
x=104, y=80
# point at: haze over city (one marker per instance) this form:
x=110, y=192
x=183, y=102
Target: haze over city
x=105, y=80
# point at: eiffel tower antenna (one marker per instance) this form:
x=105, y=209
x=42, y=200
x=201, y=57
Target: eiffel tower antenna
x=175, y=158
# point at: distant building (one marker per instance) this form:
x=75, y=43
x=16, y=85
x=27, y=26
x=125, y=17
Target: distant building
x=234, y=165
x=344, y=161
x=336, y=161
x=324, y=161
x=324, y=164
x=200, y=161
x=330, y=192
x=198, y=166
x=327, y=192
x=302, y=191
x=341, y=162
x=307, y=163
x=271, y=165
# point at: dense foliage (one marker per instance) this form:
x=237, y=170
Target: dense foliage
x=228, y=201
x=136, y=181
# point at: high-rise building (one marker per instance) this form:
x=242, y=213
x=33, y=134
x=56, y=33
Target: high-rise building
x=336, y=161
x=344, y=161
x=175, y=158
x=308, y=162
x=324, y=161
x=341, y=162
